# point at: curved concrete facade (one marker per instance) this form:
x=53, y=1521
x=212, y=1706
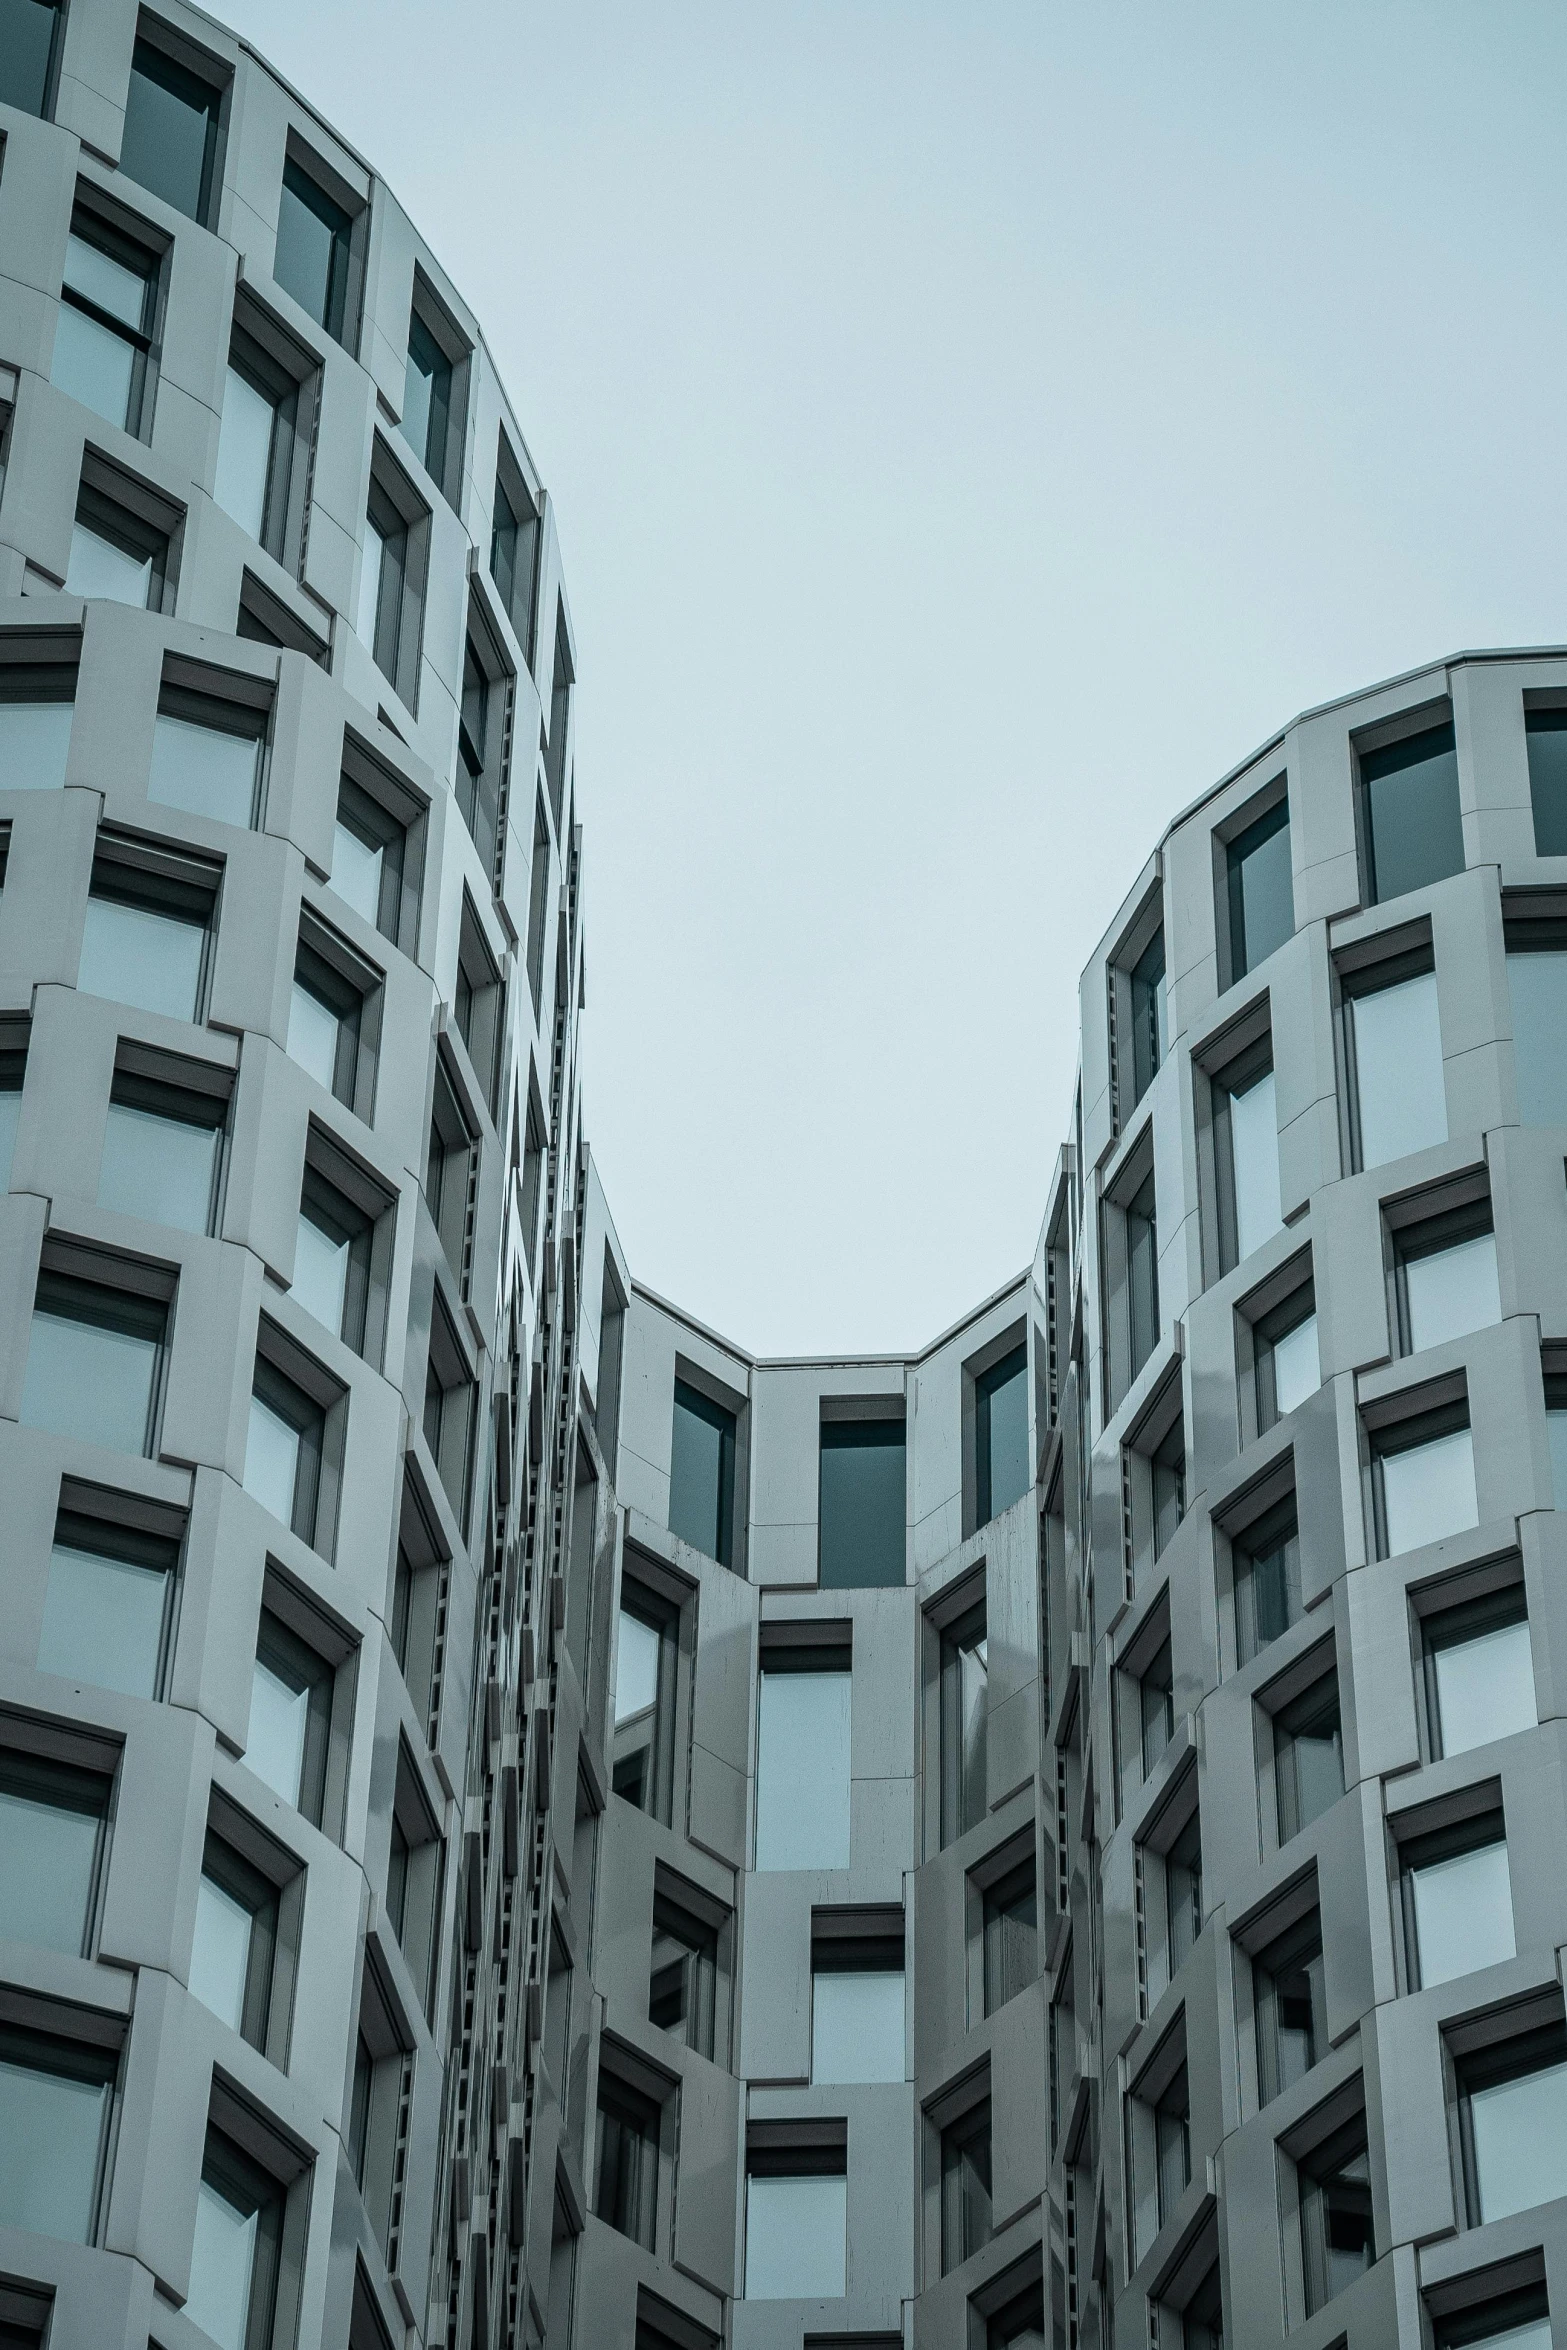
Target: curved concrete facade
x=521, y=1823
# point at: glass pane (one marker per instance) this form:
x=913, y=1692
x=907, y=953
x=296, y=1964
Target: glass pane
x=862, y=1504
x=1398, y=1056
x=1538, y=987
x=1484, y=1688
x=89, y=1382
x=97, y=568
x=320, y=1280
x=701, y=1473
x=1417, y=834
x=1296, y=1370
x=135, y=956
x=34, y=739
x=93, y=364
x=857, y=2029
x=1262, y=895
x=159, y=1168
x=103, y=1621
x=370, y=569
x=220, y=1954
x=356, y=872
x=221, y=2262
x=10, y=1119
x=1556, y=1437
x=1463, y=1913
x=1520, y=2141
x=279, y=1716
x=47, y=1854
x=796, y=2239
x=51, y=2128
x=1254, y=1137
x=1547, y=738
x=802, y=1771
x=244, y=452
x=271, y=1460
x=120, y=291
x=1002, y=1411
x=170, y=120
x=204, y=770
x=1536, y=2335
x=1429, y=1491
x=1452, y=1291
x=26, y=34
x=312, y=247
x=636, y=1668
x=312, y=1035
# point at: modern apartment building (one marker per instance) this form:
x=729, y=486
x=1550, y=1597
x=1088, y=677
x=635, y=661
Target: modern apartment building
x=522, y=1824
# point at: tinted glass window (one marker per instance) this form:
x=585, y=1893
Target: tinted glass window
x=1267, y=1580
x=1428, y=1490
x=1254, y=1149
x=427, y=396
x=796, y=2240
x=1142, y=1278
x=272, y=1451
x=290, y=1717
x=233, y=2268
x=220, y=1954
x=206, y=768
x=1547, y=739
x=1462, y=1912
x=36, y=709
x=51, y=1827
x=54, y=2111
x=1001, y=1435
x=1451, y=1291
x=1309, y=1747
x=1011, y=1932
x=702, y=1474
x=160, y=1155
x=142, y=954
x=92, y=1363
x=1297, y=1371
x=27, y=31
x=107, y=1607
x=1520, y=2141
x=244, y=451
x=802, y=1771
x=313, y=233
x=1150, y=1016
x=1261, y=892
x=1414, y=835
x=1401, y=1093
x=857, y=2025
x=1537, y=984
x=99, y=566
x=862, y=1503
x=171, y=131
x=1291, y=2008
x=1484, y=1684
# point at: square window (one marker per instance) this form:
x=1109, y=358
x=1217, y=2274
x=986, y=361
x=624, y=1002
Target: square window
x=109, y=1604
x=291, y=1692
x=1289, y=2006
x=1001, y=1463
x=164, y=1141
x=170, y=139
x=1513, y=2122
x=796, y=2218
x=29, y=54
x=514, y=548
x=1413, y=832
x=37, y=704
x=1545, y=732
x=1265, y=1561
x=95, y=1363
x=148, y=933
x=1457, y=1896
x=315, y=259
x=237, y=2251
x=235, y=1947
x=207, y=753
x=1479, y=1672
x=1308, y=1750
x=103, y=333
x=963, y=1700
x=647, y=1659
x=862, y=1504
x=688, y=1978
x=1338, y=2239
x=1396, y=1090
x=54, y=1817
x=118, y=552
x=859, y=2027
x=56, y=2103
x=702, y=1473
x=802, y=1751
x=1423, y=1479
x=1259, y=890
x=965, y=2184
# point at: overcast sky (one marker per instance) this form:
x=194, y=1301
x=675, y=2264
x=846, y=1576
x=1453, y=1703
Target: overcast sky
x=973, y=428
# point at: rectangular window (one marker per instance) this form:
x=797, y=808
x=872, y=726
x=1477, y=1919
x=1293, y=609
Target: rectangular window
x=1412, y=829
x=333, y=1016
x=1150, y=1008
x=1009, y=1932
x=422, y=1570
x=448, y=1171
x=451, y=1401
x=1479, y=1672
x=207, y=751
x=481, y=739
x=796, y=2217
x=432, y=389
x=29, y=54
x=1130, y=1239
x=1510, y=2321
x=120, y=552
x=1001, y=1463
x=13, y=1072
x=147, y=937
x=479, y=1005
x=372, y=867
x=1308, y=1751
x=688, y=1981
x=1285, y=1360
x=1537, y=985
x=103, y=333
x=1545, y=731
x=533, y=1149
x=56, y=2103
x=291, y=1691
x=1246, y=1156
x=1457, y=1897
x=702, y=1473
x=343, y=1241
x=264, y=432
x=1445, y=1280
x=383, y=2068
x=1337, y=2238
x=1260, y=893
x=861, y=1504
x=1397, y=1094
x=1423, y=1479
x=1513, y=2123
x=413, y=1874
x=514, y=548
x=37, y=704
x=964, y=1669
x=163, y=1141
x=314, y=260
x=538, y=906
x=1156, y=1706
x=647, y=1663
x=237, y=2251
x=293, y=1440
x=1153, y=1481
x=626, y=2197
x=965, y=2185
x=54, y=1818
x=170, y=139
x=561, y=683
x=858, y=2017
x=803, y=1752
x=1265, y=1557
x=1183, y=1893
x=95, y=1362
x=109, y=1604
x=235, y=1946
x=1289, y=2005
x=389, y=617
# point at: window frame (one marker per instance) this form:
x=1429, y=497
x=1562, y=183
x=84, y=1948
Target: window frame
x=344, y=294
x=1374, y=753
x=110, y=229
x=198, y=65
x=1260, y=818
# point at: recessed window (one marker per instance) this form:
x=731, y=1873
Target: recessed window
x=119, y=553
x=1289, y=2005
x=647, y=1654
x=1153, y=1481
x=1260, y=893
x=1546, y=735
x=1183, y=1892
x=702, y=1473
x=1337, y=2235
x=53, y=1829
x=538, y=905
x=1511, y=2321
x=1445, y=1277
x=861, y=1504
x=796, y=2217
x=37, y=704
x=1155, y=1706
x=314, y=256
x=24, y=2315
x=533, y=1148
x=1009, y=1932
x=1130, y=1239
x=1458, y=1901
x=163, y=1142
x=418, y=1584
x=1001, y=1462
x=432, y=388
x=1308, y=1749
x=29, y=54
x=389, y=617
x=109, y=1604
x=333, y=1016
x=1247, y=1158
x=1202, y=2320
x=231, y=1960
x=292, y=1440
x=626, y=2198
x=103, y=334
x=481, y=732
x=1265, y=1557
x=1159, y=2131
x=448, y=1171
x=290, y=1716
x=371, y=867
x=259, y=481
x=1393, y=1045
x=13, y=1071
x=413, y=1874
x=147, y=936
x=207, y=754
x=238, y=2248
x=965, y=2184
x=1413, y=832
x=802, y=1753
x=561, y=683
x=342, y=1237
x=1537, y=985
x=688, y=1978
x=1285, y=1360
x=514, y=548
x=95, y=1362
x=1554, y=1379
x=964, y=1703
x=1423, y=1479
x=56, y=2105
x=451, y=1401
x=1513, y=2123
x=479, y=1005
x=858, y=2012
x=1479, y=1672
x=170, y=139
x=1150, y=1008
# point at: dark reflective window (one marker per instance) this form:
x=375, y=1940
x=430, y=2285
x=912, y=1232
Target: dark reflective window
x=1287, y=1992
x=235, y=2257
x=702, y=1474
x=1169, y=1486
x=28, y=32
x=1547, y=739
x=1261, y=892
x=1413, y=832
x=313, y=244
x=862, y=1504
x=290, y=1716
x=1173, y=2143
x=1338, y=2242
x=1150, y=1015
x=170, y=142
x=627, y=2196
x=965, y=2187
x=427, y=397
x=1309, y=1752
x=1183, y=1891
x=1267, y=1580
x=1001, y=1435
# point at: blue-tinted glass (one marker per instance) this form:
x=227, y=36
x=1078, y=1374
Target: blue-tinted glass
x=863, y=1501
x=93, y=364
x=312, y=249
x=1262, y=894
x=857, y=2025
x=27, y=29
x=802, y=1770
x=92, y=1379
x=103, y=1621
x=50, y=1821
x=54, y=2100
x=702, y=1474
x=171, y=130
x=1001, y=1434
x=96, y=567
x=271, y=1460
x=222, y=2263
x=1547, y=739
x=1414, y=835
x=244, y=452
x=796, y=2244
x=10, y=1119
x=1142, y=1278
x=157, y=1167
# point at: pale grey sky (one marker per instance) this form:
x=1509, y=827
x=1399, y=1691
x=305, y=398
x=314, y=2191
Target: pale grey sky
x=974, y=426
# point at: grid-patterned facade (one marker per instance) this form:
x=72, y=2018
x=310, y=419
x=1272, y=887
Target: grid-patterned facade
x=521, y=1823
